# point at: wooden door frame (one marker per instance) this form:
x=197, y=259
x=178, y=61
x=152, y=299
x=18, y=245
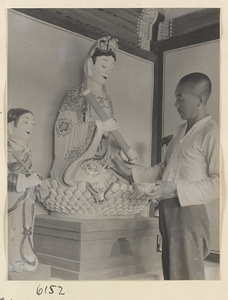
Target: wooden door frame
x=192, y=29
x=198, y=27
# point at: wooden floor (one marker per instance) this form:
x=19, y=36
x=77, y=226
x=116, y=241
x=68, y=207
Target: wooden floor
x=43, y=273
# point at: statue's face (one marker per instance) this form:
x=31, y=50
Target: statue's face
x=102, y=69
x=24, y=128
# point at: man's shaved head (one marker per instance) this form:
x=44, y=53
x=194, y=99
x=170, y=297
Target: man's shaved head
x=199, y=83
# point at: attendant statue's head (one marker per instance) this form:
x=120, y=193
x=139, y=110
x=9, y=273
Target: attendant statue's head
x=100, y=60
x=20, y=124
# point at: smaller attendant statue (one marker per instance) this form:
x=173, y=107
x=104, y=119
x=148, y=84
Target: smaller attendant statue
x=22, y=192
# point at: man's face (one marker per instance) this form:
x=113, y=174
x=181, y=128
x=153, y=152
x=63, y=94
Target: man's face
x=187, y=101
x=24, y=128
x=102, y=69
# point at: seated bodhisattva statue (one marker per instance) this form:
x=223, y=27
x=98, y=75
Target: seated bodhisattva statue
x=86, y=139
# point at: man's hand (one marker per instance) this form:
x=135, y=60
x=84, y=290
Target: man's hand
x=166, y=190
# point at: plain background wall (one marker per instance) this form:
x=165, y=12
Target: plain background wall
x=45, y=61
x=199, y=58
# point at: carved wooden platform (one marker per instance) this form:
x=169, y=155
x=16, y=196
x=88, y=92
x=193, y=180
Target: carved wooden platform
x=96, y=249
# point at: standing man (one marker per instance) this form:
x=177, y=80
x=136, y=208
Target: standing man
x=188, y=179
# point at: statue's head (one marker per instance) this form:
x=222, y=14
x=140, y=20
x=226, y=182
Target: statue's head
x=21, y=122
x=101, y=59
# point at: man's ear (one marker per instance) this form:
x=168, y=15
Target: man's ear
x=89, y=66
x=202, y=100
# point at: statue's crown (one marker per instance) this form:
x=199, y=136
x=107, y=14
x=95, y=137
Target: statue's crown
x=106, y=44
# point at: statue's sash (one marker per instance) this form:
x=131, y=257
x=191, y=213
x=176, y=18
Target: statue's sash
x=103, y=116
x=72, y=173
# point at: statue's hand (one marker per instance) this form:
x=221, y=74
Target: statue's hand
x=132, y=156
x=109, y=125
x=32, y=180
x=121, y=166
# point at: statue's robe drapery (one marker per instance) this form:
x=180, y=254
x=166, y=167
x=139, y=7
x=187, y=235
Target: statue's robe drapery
x=82, y=149
x=80, y=181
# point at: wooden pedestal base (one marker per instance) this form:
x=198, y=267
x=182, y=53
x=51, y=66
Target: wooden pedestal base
x=96, y=248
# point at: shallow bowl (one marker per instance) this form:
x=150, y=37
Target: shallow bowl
x=147, y=187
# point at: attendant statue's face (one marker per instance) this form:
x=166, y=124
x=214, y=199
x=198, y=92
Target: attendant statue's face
x=100, y=71
x=24, y=128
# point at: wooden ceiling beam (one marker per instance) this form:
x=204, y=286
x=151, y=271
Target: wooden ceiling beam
x=196, y=21
x=192, y=38
x=130, y=14
x=91, y=26
x=63, y=18
x=92, y=21
x=67, y=18
x=114, y=16
x=198, y=27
